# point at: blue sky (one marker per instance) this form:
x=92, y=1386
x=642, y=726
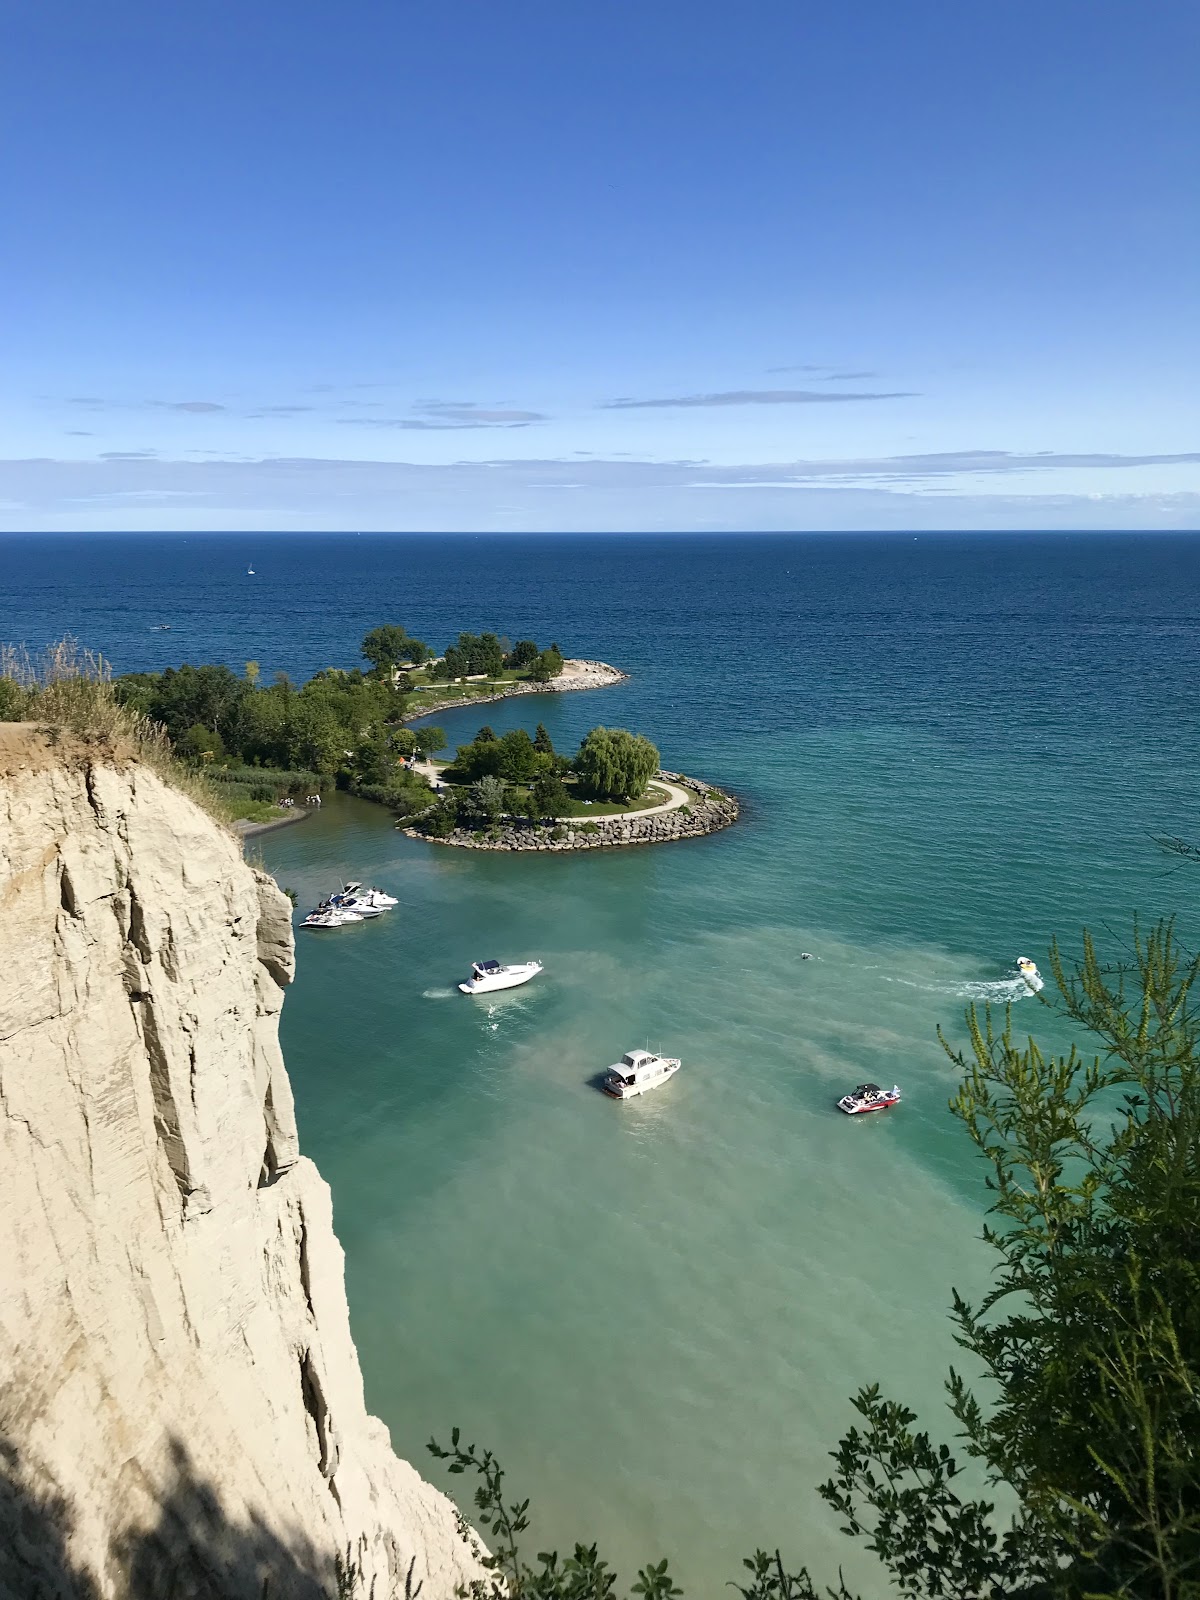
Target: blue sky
x=639, y=264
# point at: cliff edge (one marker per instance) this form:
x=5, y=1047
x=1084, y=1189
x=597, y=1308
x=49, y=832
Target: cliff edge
x=181, y=1406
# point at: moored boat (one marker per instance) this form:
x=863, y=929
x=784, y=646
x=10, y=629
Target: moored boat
x=368, y=897
x=637, y=1072
x=868, y=1097
x=488, y=976
x=330, y=916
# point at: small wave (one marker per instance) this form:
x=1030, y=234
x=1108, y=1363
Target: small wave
x=437, y=994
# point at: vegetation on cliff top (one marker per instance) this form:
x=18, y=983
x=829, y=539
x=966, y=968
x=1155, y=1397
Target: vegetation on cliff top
x=1089, y=1339
x=250, y=744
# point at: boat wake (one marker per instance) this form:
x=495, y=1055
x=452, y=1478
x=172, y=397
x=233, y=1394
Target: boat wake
x=996, y=991
x=437, y=994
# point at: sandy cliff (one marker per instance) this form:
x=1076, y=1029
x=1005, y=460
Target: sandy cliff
x=181, y=1407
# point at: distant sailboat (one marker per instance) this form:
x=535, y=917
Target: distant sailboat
x=250, y=571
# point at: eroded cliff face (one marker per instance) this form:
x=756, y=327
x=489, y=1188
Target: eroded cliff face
x=181, y=1407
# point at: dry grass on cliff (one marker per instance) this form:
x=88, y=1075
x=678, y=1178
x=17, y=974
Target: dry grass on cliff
x=67, y=689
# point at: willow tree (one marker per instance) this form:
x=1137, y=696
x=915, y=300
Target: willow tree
x=1087, y=1415
x=614, y=764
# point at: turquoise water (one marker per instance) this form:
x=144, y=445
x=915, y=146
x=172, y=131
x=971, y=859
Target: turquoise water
x=948, y=750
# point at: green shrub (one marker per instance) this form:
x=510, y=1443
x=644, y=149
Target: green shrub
x=440, y=821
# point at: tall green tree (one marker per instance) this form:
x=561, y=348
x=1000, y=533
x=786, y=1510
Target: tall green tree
x=486, y=797
x=548, y=796
x=614, y=764
x=386, y=646
x=518, y=760
x=548, y=665
x=523, y=654
x=542, y=741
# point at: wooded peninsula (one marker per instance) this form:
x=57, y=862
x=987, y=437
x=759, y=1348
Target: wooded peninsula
x=267, y=746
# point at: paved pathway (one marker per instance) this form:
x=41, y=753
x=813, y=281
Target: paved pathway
x=679, y=797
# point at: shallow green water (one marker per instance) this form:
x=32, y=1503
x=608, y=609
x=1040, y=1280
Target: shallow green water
x=655, y=1312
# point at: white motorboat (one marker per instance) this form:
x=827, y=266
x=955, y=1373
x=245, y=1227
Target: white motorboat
x=330, y=916
x=487, y=976
x=1029, y=972
x=368, y=897
x=868, y=1097
x=637, y=1072
x=360, y=908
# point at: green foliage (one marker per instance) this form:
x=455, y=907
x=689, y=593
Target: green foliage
x=201, y=742
x=548, y=796
x=486, y=798
x=440, y=821
x=278, y=726
x=548, y=665
x=523, y=654
x=511, y=757
x=613, y=764
x=471, y=654
x=12, y=700
x=485, y=735
x=185, y=697
x=385, y=646
x=427, y=741
x=405, y=793
x=518, y=758
x=1090, y=1336
x=542, y=741
x=581, y=1576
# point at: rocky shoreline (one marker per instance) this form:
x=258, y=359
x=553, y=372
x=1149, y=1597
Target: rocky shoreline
x=575, y=674
x=711, y=810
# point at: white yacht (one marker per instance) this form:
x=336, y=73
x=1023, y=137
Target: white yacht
x=368, y=897
x=638, y=1071
x=489, y=975
x=330, y=916
x=1029, y=972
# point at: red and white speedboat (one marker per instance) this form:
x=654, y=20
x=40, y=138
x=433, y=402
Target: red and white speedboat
x=868, y=1097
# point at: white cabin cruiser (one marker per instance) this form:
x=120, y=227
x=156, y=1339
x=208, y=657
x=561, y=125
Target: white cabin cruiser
x=638, y=1071
x=1029, y=972
x=330, y=916
x=487, y=976
x=868, y=1097
x=368, y=897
